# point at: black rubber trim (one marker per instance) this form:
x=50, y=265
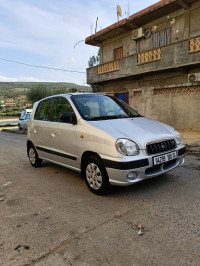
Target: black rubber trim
x=126, y=165
x=57, y=153
x=181, y=151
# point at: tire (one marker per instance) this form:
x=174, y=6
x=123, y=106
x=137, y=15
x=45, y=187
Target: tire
x=95, y=176
x=33, y=157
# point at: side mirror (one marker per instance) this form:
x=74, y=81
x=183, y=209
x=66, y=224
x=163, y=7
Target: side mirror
x=68, y=117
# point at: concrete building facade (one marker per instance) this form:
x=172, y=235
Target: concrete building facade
x=151, y=60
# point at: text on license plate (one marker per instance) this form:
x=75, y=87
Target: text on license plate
x=164, y=157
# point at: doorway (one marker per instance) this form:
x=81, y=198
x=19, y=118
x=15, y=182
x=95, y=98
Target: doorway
x=123, y=96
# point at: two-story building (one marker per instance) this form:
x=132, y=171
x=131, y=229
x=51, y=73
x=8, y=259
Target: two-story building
x=151, y=60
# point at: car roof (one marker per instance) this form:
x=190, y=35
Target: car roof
x=71, y=94
x=67, y=95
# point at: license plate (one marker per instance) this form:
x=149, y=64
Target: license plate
x=165, y=157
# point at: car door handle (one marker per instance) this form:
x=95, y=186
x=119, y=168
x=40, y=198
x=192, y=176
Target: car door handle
x=53, y=134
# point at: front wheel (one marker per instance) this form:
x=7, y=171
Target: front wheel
x=96, y=176
x=33, y=157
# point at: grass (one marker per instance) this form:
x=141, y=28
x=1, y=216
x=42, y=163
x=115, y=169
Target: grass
x=8, y=125
x=8, y=130
x=2, y=117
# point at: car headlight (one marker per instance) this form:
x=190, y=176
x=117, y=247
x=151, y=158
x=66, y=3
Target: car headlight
x=127, y=147
x=178, y=137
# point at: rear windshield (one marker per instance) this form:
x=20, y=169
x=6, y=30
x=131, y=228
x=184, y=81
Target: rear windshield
x=101, y=107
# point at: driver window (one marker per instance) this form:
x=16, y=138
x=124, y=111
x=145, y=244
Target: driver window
x=43, y=111
x=60, y=106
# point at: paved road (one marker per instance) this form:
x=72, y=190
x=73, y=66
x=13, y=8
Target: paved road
x=8, y=121
x=49, y=217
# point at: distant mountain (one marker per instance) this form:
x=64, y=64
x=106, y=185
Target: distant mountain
x=14, y=89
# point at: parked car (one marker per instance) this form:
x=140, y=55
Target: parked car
x=103, y=138
x=24, y=113
x=23, y=124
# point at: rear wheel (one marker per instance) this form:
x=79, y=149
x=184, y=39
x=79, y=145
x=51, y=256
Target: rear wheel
x=33, y=157
x=96, y=176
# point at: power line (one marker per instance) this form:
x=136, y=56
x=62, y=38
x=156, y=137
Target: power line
x=78, y=43
x=61, y=69
x=44, y=67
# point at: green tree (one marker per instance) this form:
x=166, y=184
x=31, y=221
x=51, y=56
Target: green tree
x=37, y=93
x=93, y=61
x=41, y=91
x=58, y=91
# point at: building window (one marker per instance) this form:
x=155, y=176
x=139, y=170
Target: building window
x=161, y=38
x=118, y=53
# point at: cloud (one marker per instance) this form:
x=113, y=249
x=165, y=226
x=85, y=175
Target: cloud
x=45, y=32
x=27, y=79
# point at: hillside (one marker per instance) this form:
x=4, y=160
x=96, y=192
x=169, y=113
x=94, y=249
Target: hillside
x=14, y=89
x=15, y=96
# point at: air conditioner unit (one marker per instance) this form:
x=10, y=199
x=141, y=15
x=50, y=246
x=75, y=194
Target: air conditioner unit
x=194, y=77
x=137, y=34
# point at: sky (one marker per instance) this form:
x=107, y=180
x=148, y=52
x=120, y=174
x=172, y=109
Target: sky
x=44, y=33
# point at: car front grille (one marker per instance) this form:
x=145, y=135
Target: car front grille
x=163, y=146
x=161, y=167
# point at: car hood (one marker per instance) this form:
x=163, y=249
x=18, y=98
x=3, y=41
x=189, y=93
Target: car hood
x=142, y=130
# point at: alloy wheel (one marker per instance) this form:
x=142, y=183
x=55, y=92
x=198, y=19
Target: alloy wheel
x=94, y=176
x=32, y=156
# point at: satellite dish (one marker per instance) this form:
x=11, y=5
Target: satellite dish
x=147, y=33
x=192, y=78
x=119, y=11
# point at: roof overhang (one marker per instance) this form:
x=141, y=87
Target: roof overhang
x=158, y=10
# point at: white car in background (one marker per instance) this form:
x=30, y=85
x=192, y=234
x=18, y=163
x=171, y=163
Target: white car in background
x=23, y=124
x=24, y=113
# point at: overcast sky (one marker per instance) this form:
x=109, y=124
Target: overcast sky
x=44, y=33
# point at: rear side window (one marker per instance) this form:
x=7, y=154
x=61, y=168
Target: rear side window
x=60, y=106
x=43, y=111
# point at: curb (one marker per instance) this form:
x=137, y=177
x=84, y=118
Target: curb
x=192, y=148
x=15, y=131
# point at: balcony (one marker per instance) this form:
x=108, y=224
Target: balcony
x=108, y=67
x=194, y=45
x=179, y=55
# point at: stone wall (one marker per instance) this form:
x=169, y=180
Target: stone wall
x=178, y=106
x=167, y=97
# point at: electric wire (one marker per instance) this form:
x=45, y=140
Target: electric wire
x=61, y=69
x=39, y=66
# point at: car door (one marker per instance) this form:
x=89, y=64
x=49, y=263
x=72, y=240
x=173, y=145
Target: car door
x=63, y=135
x=40, y=128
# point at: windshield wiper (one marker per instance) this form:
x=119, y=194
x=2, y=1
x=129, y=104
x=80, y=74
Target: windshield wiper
x=107, y=117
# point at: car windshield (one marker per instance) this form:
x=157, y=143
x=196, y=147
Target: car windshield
x=102, y=107
x=28, y=116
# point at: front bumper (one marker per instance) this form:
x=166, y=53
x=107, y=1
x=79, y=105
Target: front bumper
x=130, y=172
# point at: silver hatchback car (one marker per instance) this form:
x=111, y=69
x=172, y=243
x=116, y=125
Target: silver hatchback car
x=103, y=138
